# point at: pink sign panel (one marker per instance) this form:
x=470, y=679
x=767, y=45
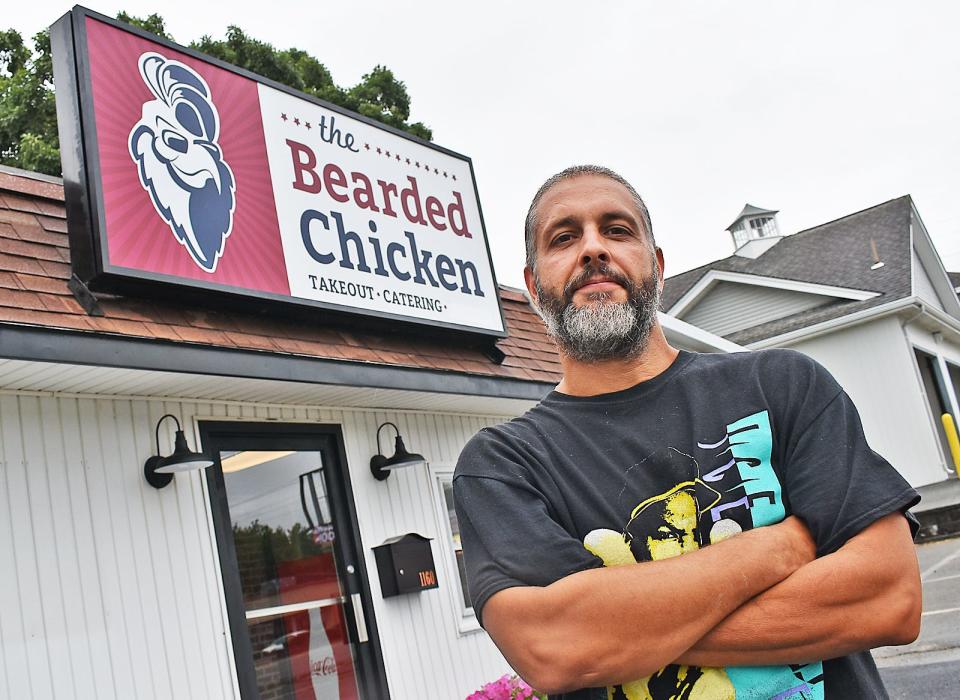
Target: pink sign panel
x=152, y=117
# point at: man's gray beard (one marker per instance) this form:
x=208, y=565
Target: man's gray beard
x=601, y=329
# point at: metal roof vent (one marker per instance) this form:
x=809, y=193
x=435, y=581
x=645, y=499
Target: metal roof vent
x=877, y=262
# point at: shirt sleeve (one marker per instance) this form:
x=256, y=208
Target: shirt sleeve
x=834, y=481
x=508, y=535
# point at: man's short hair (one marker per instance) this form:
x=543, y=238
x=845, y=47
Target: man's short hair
x=571, y=172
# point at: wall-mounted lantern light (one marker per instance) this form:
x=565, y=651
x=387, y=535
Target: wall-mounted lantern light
x=381, y=466
x=159, y=470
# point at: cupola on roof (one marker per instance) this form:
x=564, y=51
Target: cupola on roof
x=750, y=211
x=754, y=231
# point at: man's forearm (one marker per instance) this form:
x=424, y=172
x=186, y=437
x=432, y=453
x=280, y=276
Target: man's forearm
x=862, y=596
x=612, y=625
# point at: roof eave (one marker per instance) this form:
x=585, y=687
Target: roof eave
x=687, y=335
x=848, y=321
x=35, y=343
x=703, y=285
x=930, y=258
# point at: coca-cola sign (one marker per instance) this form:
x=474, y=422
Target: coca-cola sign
x=327, y=666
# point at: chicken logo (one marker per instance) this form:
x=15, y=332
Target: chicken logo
x=181, y=166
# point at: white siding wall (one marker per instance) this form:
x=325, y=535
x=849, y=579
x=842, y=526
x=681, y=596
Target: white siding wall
x=424, y=654
x=730, y=307
x=111, y=589
x=922, y=286
x=887, y=390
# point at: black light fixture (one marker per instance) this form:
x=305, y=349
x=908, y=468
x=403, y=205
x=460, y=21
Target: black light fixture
x=381, y=466
x=159, y=470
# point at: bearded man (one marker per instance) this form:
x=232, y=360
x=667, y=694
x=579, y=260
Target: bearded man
x=668, y=524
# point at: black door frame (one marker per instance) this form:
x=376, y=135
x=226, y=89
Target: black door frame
x=328, y=440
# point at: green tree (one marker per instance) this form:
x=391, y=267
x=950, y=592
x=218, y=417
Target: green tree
x=378, y=95
x=28, y=119
x=151, y=23
x=28, y=113
x=260, y=549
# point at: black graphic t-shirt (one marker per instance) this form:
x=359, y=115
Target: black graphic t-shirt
x=715, y=445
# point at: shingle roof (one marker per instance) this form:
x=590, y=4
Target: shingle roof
x=35, y=267
x=954, y=279
x=837, y=253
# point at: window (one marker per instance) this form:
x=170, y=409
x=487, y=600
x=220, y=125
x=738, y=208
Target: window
x=453, y=550
x=454, y=534
x=935, y=391
x=739, y=235
x=954, y=371
x=763, y=226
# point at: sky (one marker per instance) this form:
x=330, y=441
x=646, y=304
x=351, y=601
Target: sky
x=816, y=109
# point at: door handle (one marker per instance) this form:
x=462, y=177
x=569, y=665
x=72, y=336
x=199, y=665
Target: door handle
x=359, y=618
x=258, y=613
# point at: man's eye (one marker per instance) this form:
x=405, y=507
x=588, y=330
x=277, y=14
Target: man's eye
x=619, y=231
x=562, y=238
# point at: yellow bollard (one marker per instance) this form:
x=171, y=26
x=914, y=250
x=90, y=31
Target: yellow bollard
x=951, y=430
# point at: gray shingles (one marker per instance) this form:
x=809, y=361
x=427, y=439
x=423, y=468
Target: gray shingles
x=837, y=253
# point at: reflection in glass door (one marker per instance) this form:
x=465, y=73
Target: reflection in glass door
x=285, y=543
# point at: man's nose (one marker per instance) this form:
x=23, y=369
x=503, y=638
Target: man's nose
x=593, y=247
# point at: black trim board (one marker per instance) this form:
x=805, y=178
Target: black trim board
x=99, y=350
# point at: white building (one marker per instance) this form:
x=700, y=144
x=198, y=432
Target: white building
x=867, y=296
x=111, y=588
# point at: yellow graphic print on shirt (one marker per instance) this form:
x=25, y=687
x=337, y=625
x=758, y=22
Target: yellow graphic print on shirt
x=674, y=536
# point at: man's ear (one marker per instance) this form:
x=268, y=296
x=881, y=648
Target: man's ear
x=529, y=280
x=660, y=267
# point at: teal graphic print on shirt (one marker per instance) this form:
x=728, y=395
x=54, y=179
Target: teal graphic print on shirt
x=730, y=486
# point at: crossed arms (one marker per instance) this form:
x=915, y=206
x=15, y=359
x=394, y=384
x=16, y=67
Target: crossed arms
x=759, y=598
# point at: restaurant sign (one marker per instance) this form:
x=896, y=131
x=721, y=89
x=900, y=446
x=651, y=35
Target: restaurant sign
x=185, y=174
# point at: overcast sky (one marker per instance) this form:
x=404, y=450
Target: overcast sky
x=818, y=109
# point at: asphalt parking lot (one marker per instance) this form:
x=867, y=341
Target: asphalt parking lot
x=930, y=667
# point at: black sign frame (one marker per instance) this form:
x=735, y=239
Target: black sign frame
x=83, y=193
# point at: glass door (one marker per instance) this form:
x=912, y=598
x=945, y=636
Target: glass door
x=299, y=612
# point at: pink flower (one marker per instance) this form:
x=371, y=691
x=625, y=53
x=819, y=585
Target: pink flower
x=507, y=687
